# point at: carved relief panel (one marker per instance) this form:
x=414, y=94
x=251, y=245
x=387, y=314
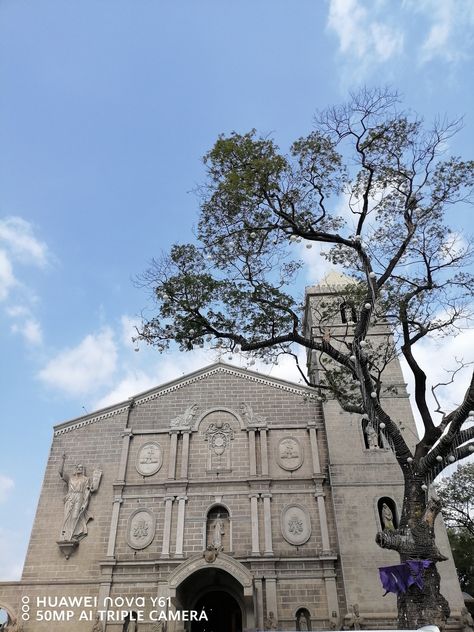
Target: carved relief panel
x=295, y=524
x=149, y=459
x=141, y=528
x=218, y=430
x=289, y=453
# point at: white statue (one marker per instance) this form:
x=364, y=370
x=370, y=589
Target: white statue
x=79, y=490
x=218, y=532
x=372, y=436
x=387, y=518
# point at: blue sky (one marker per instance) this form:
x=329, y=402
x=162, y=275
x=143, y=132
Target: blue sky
x=106, y=107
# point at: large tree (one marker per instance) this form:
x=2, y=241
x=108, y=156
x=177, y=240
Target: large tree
x=235, y=288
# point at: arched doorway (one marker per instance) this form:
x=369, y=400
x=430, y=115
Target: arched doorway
x=222, y=610
x=210, y=582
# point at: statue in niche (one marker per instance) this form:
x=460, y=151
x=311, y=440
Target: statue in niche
x=387, y=518
x=185, y=419
x=302, y=621
x=372, y=437
x=217, y=533
x=79, y=490
x=270, y=622
x=354, y=620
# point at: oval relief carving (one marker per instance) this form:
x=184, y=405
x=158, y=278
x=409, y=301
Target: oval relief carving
x=295, y=524
x=289, y=453
x=141, y=528
x=149, y=459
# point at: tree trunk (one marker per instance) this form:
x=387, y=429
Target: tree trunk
x=415, y=540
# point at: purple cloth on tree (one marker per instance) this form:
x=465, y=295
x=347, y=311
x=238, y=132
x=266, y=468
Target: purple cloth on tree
x=399, y=578
x=417, y=567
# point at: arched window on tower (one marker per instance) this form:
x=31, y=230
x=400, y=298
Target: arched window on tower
x=388, y=514
x=348, y=313
x=218, y=528
x=303, y=619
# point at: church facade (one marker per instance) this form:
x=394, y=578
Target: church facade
x=225, y=492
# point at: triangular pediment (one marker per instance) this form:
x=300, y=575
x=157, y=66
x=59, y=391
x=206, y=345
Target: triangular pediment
x=179, y=383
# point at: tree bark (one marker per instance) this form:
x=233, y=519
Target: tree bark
x=415, y=540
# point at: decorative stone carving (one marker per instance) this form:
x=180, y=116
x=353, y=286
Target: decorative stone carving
x=372, y=436
x=270, y=622
x=141, y=528
x=353, y=619
x=185, y=419
x=210, y=554
x=79, y=490
x=219, y=435
x=149, y=459
x=387, y=518
x=289, y=454
x=295, y=524
x=251, y=418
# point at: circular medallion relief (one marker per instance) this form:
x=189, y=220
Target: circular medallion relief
x=289, y=453
x=141, y=528
x=295, y=524
x=149, y=458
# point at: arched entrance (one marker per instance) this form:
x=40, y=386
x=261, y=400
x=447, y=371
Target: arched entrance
x=222, y=610
x=222, y=586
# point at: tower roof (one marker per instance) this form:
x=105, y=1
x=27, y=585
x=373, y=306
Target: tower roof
x=333, y=281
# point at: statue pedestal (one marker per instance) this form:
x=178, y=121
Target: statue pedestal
x=67, y=547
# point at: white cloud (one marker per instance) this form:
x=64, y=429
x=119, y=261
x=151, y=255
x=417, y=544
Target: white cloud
x=128, y=386
x=436, y=356
x=6, y=485
x=7, y=278
x=17, y=236
x=30, y=330
x=129, y=325
x=84, y=368
x=449, y=36
x=19, y=246
x=374, y=32
x=361, y=36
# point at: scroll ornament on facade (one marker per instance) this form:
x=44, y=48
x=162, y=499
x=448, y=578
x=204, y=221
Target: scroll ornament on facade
x=80, y=487
x=186, y=419
x=251, y=418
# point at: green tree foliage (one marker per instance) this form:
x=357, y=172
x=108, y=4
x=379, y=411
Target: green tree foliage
x=457, y=497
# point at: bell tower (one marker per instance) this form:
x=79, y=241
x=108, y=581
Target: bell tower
x=366, y=481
